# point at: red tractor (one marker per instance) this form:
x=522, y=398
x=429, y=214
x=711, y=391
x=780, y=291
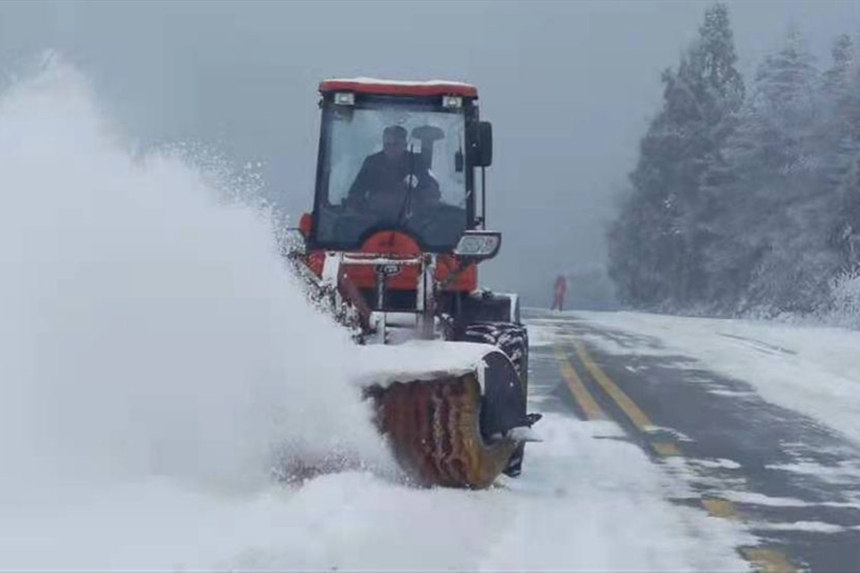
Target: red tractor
x=397, y=231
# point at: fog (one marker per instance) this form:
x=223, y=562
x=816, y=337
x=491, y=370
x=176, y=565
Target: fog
x=569, y=87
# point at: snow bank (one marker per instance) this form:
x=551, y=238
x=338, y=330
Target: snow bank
x=844, y=301
x=149, y=327
x=583, y=504
x=812, y=370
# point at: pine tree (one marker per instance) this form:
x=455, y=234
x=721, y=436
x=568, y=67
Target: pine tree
x=835, y=78
x=772, y=248
x=844, y=91
x=782, y=110
x=836, y=132
x=656, y=244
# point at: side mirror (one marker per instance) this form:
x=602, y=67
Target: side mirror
x=484, y=141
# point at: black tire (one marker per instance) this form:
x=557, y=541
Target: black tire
x=510, y=338
x=504, y=412
x=489, y=307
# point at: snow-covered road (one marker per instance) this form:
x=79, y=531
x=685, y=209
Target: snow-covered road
x=759, y=419
x=811, y=369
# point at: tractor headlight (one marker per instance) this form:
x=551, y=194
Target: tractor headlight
x=478, y=244
x=452, y=102
x=344, y=98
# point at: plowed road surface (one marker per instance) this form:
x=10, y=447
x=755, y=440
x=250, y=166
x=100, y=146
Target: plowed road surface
x=789, y=480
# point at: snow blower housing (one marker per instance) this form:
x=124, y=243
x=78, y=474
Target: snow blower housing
x=397, y=230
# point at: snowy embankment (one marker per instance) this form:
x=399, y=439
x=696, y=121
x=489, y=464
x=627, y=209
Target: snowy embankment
x=156, y=360
x=809, y=369
x=583, y=504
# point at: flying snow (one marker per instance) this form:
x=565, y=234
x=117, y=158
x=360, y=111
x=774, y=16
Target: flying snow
x=149, y=326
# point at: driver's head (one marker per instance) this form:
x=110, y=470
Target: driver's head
x=394, y=141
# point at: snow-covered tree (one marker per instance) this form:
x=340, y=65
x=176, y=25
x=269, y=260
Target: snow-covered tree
x=836, y=77
x=747, y=203
x=770, y=243
x=655, y=245
x=781, y=112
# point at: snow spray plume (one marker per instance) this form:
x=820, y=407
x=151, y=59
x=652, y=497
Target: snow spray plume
x=148, y=323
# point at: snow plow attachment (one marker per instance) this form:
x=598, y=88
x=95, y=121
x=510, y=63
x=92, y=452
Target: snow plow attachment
x=453, y=411
x=461, y=428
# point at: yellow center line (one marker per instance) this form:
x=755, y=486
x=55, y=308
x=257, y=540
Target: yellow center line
x=764, y=559
x=580, y=393
x=720, y=508
x=636, y=415
x=768, y=560
x=666, y=449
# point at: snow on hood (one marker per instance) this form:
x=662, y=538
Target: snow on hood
x=376, y=81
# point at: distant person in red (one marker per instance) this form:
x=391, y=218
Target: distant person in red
x=560, y=291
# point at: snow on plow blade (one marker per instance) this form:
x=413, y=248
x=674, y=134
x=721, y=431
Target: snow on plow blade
x=454, y=416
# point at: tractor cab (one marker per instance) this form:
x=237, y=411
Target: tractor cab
x=397, y=156
x=398, y=223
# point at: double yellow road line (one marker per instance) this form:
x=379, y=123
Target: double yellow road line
x=583, y=397
x=592, y=409
x=763, y=559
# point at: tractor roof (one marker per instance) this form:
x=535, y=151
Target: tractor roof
x=392, y=87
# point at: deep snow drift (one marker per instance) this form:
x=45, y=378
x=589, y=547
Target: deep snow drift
x=154, y=353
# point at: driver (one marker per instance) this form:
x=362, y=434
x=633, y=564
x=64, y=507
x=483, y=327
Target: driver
x=385, y=178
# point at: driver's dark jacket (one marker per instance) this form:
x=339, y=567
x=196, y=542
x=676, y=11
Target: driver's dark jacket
x=381, y=184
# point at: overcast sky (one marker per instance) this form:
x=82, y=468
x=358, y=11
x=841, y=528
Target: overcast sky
x=569, y=86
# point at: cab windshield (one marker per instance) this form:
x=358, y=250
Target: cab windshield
x=392, y=168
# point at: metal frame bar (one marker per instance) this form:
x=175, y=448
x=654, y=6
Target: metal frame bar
x=425, y=303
